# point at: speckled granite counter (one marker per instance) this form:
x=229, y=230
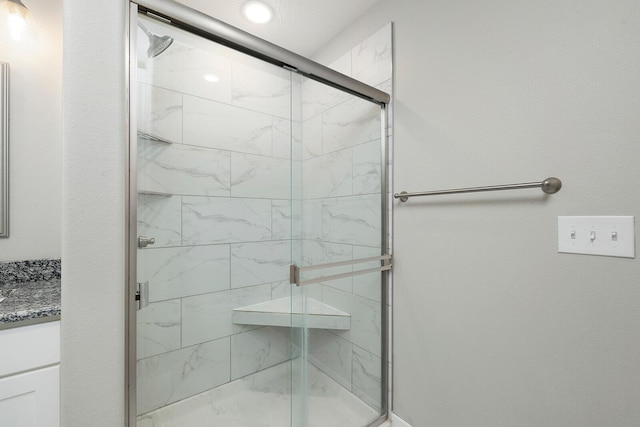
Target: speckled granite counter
x=29, y=292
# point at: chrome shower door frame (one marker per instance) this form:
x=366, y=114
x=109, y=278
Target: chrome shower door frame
x=217, y=31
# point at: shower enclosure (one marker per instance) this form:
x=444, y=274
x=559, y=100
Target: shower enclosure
x=258, y=240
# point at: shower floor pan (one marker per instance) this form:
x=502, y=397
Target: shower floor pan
x=264, y=400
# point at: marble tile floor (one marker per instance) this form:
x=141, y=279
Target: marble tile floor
x=264, y=400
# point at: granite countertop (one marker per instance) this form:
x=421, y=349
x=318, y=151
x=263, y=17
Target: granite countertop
x=29, y=292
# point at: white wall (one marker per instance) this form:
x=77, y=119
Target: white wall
x=93, y=291
x=492, y=326
x=35, y=172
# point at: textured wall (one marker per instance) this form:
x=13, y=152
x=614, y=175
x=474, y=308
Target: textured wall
x=93, y=291
x=492, y=326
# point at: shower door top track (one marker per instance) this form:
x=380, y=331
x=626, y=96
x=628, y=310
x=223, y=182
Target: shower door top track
x=197, y=22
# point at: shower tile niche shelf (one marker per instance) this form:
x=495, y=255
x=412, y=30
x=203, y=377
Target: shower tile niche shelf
x=154, y=138
x=293, y=312
x=154, y=193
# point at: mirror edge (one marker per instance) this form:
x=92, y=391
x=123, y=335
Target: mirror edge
x=4, y=150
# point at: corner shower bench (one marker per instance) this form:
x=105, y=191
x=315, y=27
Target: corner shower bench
x=293, y=312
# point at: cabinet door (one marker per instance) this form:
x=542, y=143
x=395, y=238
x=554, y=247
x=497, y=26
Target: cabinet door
x=31, y=399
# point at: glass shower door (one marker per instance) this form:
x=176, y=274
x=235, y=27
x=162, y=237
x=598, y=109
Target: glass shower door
x=215, y=234
x=342, y=264
x=261, y=241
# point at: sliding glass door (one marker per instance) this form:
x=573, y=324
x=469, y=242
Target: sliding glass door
x=258, y=205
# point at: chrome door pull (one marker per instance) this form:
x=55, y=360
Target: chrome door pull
x=144, y=241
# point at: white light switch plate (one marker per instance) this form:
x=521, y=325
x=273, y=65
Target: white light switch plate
x=597, y=235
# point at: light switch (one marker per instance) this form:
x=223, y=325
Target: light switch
x=597, y=235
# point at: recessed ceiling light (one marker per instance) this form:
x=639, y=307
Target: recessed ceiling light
x=257, y=12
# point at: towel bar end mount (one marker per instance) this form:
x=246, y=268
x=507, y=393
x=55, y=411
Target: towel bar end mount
x=551, y=185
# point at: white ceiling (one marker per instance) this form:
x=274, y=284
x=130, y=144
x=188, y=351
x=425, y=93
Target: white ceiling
x=302, y=26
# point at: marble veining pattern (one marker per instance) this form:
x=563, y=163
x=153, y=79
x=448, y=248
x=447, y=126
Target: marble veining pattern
x=261, y=262
x=367, y=168
x=222, y=220
x=366, y=318
x=318, y=98
x=256, y=350
x=209, y=316
x=259, y=176
x=226, y=127
x=160, y=216
x=312, y=219
x=312, y=134
x=284, y=139
x=355, y=220
x=265, y=399
x=372, y=59
x=350, y=123
x=262, y=87
x=172, y=376
x=158, y=328
x=286, y=220
x=332, y=355
x=183, y=169
x=160, y=113
x=329, y=175
x=183, y=271
x=367, y=377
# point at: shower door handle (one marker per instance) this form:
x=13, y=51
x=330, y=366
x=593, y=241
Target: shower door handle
x=142, y=294
x=144, y=241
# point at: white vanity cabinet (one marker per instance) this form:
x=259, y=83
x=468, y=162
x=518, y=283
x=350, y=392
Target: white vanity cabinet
x=30, y=376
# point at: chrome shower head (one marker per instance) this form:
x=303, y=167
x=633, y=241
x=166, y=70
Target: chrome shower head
x=157, y=44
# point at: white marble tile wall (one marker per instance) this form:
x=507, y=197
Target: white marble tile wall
x=211, y=220
x=355, y=220
x=160, y=112
x=259, y=262
x=262, y=88
x=367, y=377
x=170, y=377
x=218, y=201
x=342, y=184
x=256, y=350
x=216, y=125
x=183, y=169
x=182, y=271
x=159, y=328
x=161, y=217
x=207, y=317
x=371, y=60
x=197, y=67
x=332, y=355
x=216, y=195
x=260, y=176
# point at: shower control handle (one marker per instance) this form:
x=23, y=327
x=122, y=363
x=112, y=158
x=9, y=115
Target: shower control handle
x=144, y=241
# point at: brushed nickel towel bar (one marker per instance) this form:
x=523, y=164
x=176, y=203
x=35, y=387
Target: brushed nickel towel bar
x=550, y=186
x=295, y=271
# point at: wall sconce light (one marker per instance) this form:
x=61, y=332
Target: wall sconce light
x=17, y=18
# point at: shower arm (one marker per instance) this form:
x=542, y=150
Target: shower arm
x=147, y=32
